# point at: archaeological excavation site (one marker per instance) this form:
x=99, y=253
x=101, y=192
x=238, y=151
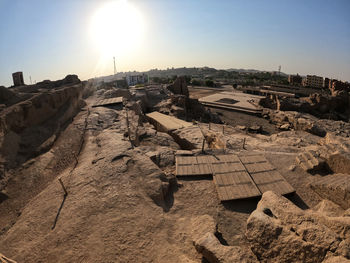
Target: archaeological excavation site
x=111, y=172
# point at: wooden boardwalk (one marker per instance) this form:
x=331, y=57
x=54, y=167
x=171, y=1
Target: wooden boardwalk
x=235, y=177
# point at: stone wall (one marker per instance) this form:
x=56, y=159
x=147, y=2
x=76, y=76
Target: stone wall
x=25, y=126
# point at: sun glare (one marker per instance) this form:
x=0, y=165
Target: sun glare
x=117, y=28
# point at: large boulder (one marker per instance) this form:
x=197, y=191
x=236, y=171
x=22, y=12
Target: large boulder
x=279, y=231
x=206, y=243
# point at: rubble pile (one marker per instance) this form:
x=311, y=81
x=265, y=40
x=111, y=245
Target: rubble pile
x=279, y=231
x=335, y=106
x=306, y=122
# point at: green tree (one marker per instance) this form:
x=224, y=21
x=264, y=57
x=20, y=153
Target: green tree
x=209, y=83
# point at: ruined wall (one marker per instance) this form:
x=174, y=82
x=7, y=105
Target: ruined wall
x=25, y=126
x=179, y=87
x=334, y=107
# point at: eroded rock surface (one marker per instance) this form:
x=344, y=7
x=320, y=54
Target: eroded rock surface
x=279, y=231
x=335, y=187
x=206, y=243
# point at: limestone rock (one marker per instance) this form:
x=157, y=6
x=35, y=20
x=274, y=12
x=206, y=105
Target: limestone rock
x=4, y=259
x=117, y=92
x=310, y=161
x=328, y=208
x=189, y=137
x=255, y=129
x=279, y=231
x=211, y=249
x=339, y=162
x=206, y=243
x=335, y=187
x=163, y=157
x=337, y=259
x=202, y=225
x=285, y=127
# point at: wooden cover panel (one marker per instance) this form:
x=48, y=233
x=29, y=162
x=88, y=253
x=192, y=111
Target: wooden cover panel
x=233, y=178
x=189, y=166
x=235, y=185
x=252, y=159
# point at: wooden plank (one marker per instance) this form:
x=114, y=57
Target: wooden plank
x=252, y=159
x=229, y=190
x=235, y=185
x=189, y=166
x=259, y=167
x=270, y=180
x=233, y=178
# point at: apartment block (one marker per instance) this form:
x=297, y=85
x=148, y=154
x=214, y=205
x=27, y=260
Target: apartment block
x=295, y=79
x=314, y=81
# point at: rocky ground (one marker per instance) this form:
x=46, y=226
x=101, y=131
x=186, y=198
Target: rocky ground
x=125, y=204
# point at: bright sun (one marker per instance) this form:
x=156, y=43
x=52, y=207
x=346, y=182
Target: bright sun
x=117, y=28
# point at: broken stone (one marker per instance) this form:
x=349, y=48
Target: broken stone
x=255, y=129
x=336, y=259
x=285, y=127
x=4, y=259
x=211, y=249
x=334, y=187
x=339, y=162
x=206, y=243
x=291, y=168
x=329, y=208
x=292, y=234
x=241, y=127
x=311, y=162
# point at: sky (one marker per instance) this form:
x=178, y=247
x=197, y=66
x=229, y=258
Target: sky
x=49, y=39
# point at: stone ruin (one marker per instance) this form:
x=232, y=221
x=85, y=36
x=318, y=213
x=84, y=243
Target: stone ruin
x=124, y=201
x=335, y=106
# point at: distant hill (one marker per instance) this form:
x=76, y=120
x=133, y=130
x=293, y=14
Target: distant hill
x=199, y=72
x=253, y=71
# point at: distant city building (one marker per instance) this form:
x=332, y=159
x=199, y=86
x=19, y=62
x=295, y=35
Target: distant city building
x=18, y=78
x=314, y=81
x=327, y=83
x=295, y=79
x=336, y=85
x=136, y=79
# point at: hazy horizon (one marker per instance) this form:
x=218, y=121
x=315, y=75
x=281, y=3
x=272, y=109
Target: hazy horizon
x=50, y=39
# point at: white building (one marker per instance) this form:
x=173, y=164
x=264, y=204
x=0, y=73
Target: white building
x=136, y=79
